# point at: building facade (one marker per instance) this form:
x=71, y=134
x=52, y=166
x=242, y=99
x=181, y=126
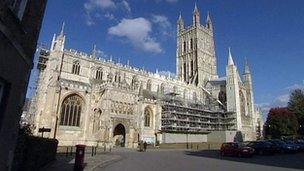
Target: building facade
x=94, y=101
x=20, y=22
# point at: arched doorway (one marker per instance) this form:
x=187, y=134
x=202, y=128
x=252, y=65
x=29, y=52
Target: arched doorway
x=119, y=135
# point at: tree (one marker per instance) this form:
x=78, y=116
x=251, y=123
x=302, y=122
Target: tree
x=296, y=105
x=281, y=122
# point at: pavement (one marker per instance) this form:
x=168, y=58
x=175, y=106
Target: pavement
x=178, y=160
x=66, y=163
x=192, y=160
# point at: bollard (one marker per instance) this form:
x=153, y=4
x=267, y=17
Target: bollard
x=66, y=152
x=79, y=157
x=71, y=151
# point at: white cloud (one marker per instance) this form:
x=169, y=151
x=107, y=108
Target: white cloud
x=109, y=16
x=104, y=9
x=161, y=20
x=102, y=4
x=280, y=100
x=137, y=31
x=295, y=86
x=126, y=5
x=164, y=25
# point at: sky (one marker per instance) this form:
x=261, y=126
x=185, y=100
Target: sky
x=268, y=33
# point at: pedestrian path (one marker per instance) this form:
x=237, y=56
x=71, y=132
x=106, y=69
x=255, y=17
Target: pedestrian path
x=65, y=163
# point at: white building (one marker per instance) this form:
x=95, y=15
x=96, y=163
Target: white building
x=93, y=101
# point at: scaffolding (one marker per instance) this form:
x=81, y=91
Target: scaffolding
x=43, y=58
x=184, y=116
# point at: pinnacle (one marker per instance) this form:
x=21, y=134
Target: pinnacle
x=230, y=59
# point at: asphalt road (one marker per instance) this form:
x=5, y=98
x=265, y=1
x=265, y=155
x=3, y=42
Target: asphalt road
x=207, y=160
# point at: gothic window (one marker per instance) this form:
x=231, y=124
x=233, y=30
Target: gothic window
x=71, y=111
x=76, y=68
x=194, y=96
x=149, y=85
x=185, y=72
x=191, y=65
x=185, y=47
x=99, y=74
x=148, y=115
x=162, y=88
x=242, y=103
x=222, y=97
x=191, y=44
x=116, y=77
x=134, y=82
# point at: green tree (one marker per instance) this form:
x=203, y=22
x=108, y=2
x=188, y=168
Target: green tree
x=296, y=105
x=281, y=122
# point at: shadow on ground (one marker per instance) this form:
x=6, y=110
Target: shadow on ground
x=294, y=161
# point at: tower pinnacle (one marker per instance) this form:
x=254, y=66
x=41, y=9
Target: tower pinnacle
x=246, y=69
x=195, y=8
x=180, y=22
x=196, y=16
x=230, y=59
x=94, y=51
x=62, y=29
x=208, y=21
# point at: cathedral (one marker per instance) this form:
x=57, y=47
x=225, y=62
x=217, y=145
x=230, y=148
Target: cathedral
x=85, y=99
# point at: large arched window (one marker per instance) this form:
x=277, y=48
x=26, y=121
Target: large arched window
x=71, y=111
x=76, y=68
x=99, y=74
x=148, y=117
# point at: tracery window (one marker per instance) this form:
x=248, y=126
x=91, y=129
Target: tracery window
x=99, y=74
x=71, y=111
x=76, y=68
x=148, y=115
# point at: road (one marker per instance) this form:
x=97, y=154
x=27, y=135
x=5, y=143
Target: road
x=208, y=160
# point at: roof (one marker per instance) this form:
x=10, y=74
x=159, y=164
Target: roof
x=218, y=81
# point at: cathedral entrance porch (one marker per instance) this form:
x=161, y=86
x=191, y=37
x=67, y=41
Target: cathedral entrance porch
x=119, y=135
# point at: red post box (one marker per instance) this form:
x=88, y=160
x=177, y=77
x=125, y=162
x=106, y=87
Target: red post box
x=79, y=157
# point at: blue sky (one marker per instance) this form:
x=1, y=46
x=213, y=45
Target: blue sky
x=269, y=33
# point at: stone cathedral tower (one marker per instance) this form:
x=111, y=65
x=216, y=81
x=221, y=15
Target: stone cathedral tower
x=196, y=60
